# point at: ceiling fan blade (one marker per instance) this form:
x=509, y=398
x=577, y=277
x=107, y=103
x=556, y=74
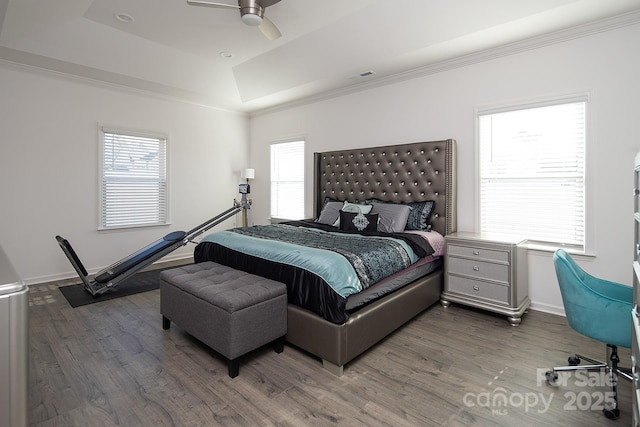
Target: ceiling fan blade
x=269, y=29
x=267, y=3
x=211, y=4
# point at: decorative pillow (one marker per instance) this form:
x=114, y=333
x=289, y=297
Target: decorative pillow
x=354, y=208
x=351, y=221
x=419, y=216
x=330, y=212
x=393, y=217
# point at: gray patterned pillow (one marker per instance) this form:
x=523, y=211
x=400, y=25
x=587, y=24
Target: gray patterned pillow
x=419, y=216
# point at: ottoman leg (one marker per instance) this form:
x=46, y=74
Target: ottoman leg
x=278, y=345
x=234, y=367
x=166, y=323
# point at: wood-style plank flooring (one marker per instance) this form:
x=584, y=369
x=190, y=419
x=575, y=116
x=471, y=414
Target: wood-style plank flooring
x=111, y=364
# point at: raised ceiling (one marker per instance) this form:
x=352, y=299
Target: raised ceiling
x=177, y=50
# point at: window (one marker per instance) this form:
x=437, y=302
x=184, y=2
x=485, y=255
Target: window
x=133, y=179
x=287, y=180
x=532, y=172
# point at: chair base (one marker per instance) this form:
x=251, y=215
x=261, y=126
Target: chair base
x=610, y=410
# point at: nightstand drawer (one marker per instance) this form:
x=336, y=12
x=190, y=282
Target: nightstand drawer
x=479, y=269
x=479, y=253
x=478, y=289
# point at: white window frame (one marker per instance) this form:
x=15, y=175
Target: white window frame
x=277, y=215
x=150, y=212
x=587, y=246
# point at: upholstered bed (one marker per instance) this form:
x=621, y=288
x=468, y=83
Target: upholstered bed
x=335, y=324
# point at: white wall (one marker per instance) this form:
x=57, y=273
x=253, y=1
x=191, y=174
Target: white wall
x=49, y=168
x=49, y=143
x=439, y=106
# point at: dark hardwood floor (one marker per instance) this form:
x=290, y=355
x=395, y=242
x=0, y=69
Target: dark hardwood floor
x=111, y=364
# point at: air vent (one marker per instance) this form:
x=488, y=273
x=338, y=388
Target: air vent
x=367, y=73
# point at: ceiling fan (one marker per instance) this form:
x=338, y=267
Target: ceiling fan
x=251, y=12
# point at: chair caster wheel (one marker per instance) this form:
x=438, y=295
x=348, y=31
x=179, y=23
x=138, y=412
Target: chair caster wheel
x=573, y=360
x=611, y=414
x=551, y=377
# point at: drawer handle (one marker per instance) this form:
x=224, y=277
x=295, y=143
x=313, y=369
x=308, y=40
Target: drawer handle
x=476, y=287
x=476, y=268
x=475, y=252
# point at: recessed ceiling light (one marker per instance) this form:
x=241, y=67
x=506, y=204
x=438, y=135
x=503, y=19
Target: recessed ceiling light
x=124, y=17
x=226, y=55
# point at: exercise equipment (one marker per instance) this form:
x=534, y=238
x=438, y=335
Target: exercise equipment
x=111, y=276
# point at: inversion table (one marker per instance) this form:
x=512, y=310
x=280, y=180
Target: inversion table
x=117, y=272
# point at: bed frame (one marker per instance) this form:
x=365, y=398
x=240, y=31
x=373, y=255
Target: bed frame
x=396, y=173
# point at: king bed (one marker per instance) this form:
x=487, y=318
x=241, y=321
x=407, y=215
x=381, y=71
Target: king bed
x=373, y=252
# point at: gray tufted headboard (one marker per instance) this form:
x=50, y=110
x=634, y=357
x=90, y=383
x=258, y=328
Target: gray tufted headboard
x=395, y=173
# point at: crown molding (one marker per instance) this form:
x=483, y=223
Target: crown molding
x=88, y=75
x=53, y=67
x=532, y=43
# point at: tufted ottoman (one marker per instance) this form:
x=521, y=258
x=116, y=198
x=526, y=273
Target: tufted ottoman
x=231, y=311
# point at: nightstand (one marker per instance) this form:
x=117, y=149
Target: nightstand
x=488, y=272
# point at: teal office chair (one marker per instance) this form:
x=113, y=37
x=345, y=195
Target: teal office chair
x=598, y=309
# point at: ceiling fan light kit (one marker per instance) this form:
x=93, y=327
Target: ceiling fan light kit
x=252, y=19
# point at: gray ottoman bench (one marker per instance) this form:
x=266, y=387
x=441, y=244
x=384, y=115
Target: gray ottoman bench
x=231, y=311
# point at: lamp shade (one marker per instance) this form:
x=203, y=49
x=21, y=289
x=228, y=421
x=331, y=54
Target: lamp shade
x=249, y=173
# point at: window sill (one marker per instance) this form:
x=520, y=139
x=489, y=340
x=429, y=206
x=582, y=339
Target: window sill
x=549, y=248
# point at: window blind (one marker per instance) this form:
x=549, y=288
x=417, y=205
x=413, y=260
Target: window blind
x=133, y=180
x=532, y=173
x=287, y=180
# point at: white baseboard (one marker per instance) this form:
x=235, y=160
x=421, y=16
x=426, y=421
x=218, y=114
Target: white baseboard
x=72, y=274
x=547, y=308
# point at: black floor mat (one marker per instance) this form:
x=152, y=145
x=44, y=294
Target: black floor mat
x=144, y=281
